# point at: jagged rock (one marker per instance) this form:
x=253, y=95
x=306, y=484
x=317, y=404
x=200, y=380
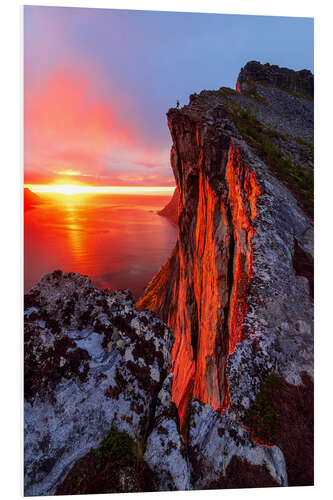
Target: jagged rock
x=214, y=440
x=284, y=78
x=165, y=452
x=91, y=360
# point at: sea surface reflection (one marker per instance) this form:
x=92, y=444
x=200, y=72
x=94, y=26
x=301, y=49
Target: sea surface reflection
x=117, y=240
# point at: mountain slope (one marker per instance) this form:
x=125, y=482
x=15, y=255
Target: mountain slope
x=239, y=307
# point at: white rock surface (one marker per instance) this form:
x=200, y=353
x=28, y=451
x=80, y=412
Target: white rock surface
x=165, y=452
x=90, y=360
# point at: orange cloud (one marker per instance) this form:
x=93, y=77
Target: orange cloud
x=68, y=126
x=74, y=128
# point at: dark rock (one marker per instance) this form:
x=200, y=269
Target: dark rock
x=170, y=211
x=283, y=78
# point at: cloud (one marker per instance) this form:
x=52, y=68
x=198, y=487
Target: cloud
x=73, y=128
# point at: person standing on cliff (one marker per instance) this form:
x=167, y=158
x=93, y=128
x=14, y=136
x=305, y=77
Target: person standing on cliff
x=177, y=104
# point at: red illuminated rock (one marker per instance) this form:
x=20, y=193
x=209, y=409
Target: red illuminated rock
x=238, y=305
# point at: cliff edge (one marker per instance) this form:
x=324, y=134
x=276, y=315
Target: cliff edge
x=236, y=291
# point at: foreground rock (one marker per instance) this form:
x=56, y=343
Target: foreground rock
x=215, y=440
x=92, y=363
x=166, y=453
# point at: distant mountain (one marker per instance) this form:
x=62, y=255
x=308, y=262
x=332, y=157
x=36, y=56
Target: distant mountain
x=30, y=199
x=171, y=209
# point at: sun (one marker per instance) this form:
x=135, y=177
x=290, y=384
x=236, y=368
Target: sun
x=74, y=189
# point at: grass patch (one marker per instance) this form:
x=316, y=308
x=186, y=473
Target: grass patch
x=294, y=93
x=261, y=418
x=117, y=447
x=115, y=466
x=79, y=481
x=298, y=180
x=302, y=142
x=252, y=92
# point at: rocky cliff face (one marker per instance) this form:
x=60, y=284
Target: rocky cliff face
x=239, y=307
x=170, y=211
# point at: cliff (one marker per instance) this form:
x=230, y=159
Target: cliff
x=170, y=211
x=234, y=292
x=208, y=381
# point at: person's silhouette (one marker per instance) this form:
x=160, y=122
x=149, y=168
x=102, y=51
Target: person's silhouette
x=177, y=104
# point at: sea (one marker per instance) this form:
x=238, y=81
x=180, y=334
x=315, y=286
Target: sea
x=118, y=240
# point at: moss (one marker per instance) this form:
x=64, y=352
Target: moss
x=261, y=418
x=116, y=466
x=117, y=447
x=299, y=95
x=302, y=142
x=298, y=179
x=294, y=93
x=79, y=481
x=252, y=93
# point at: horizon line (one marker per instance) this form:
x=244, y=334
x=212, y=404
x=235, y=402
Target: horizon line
x=72, y=189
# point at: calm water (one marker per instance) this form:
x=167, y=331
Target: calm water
x=117, y=240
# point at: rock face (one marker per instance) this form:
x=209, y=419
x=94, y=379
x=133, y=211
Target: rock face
x=91, y=362
x=170, y=211
x=239, y=308
x=283, y=78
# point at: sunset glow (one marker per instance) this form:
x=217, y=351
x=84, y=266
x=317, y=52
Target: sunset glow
x=73, y=189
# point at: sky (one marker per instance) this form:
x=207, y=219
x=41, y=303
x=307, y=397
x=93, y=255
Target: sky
x=98, y=83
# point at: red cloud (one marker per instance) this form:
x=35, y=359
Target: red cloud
x=72, y=125
x=68, y=125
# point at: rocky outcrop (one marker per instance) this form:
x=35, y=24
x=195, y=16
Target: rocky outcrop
x=283, y=78
x=170, y=211
x=215, y=440
x=92, y=363
x=238, y=307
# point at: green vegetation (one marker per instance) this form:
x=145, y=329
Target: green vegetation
x=115, y=466
x=79, y=481
x=261, y=418
x=299, y=95
x=117, y=447
x=301, y=141
x=298, y=179
x=252, y=93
